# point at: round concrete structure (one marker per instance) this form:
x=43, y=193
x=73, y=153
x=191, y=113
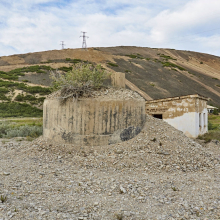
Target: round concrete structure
x=93, y=121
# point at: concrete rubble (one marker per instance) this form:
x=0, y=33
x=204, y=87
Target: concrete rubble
x=159, y=174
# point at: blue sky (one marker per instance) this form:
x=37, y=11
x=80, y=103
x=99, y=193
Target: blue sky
x=39, y=25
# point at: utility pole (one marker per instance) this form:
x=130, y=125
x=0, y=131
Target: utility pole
x=84, y=46
x=62, y=44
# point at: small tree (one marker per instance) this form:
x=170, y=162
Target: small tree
x=80, y=81
x=215, y=112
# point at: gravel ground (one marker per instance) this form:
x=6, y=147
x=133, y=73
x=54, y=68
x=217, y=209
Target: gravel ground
x=106, y=93
x=160, y=174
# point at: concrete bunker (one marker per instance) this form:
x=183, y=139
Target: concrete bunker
x=94, y=121
x=186, y=113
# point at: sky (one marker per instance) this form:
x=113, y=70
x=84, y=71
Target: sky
x=40, y=25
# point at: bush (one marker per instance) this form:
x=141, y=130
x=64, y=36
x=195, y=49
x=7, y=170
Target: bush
x=65, y=69
x=112, y=64
x=79, y=81
x=168, y=64
x=24, y=131
x=210, y=126
x=3, y=128
x=211, y=135
x=166, y=57
x=215, y=112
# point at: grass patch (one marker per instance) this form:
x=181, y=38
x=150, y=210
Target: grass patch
x=14, y=74
x=215, y=78
x=211, y=135
x=135, y=56
x=166, y=57
x=213, y=128
x=17, y=122
x=218, y=85
x=14, y=109
x=69, y=60
x=32, y=99
x=112, y=64
x=168, y=64
x=65, y=69
x=24, y=87
x=215, y=121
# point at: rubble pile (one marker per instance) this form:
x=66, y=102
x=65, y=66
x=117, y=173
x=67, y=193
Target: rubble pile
x=159, y=174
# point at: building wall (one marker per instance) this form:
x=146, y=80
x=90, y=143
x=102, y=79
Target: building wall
x=188, y=113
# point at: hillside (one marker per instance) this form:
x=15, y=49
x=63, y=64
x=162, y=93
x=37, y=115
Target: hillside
x=159, y=73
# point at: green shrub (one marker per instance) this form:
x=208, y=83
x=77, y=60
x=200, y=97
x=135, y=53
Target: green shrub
x=112, y=64
x=22, y=98
x=13, y=74
x=15, y=109
x=210, y=126
x=79, y=81
x=215, y=112
x=133, y=56
x=211, y=135
x=74, y=60
x=168, y=64
x=24, y=131
x=3, y=97
x=3, y=90
x=166, y=57
x=65, y=69
x=3, y=128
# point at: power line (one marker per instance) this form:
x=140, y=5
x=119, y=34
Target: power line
x=84, y=46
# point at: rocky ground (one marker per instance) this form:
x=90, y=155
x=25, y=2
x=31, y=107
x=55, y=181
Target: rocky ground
x=160, y=174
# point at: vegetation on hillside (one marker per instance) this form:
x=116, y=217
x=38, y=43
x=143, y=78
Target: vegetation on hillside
x=14, y=74
x=24, y=87
x=15, y=109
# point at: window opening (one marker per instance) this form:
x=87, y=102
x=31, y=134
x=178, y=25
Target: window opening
x=159, y=116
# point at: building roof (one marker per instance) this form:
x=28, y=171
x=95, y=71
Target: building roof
x=211, y=107
x=179, y=97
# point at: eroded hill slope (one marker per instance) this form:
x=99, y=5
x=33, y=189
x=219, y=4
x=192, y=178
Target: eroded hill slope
x=160, y=73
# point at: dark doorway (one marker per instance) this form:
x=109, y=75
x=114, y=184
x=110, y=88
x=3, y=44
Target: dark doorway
x=159, y=116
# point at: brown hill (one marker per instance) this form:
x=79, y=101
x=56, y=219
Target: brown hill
x=160, y=73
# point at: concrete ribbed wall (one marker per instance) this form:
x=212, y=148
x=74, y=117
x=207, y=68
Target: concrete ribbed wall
x=93, y=121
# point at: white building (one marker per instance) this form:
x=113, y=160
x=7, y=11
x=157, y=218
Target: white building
x=186, y=113
x=211, y=108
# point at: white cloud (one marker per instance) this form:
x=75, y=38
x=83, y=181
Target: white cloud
x=29, y=26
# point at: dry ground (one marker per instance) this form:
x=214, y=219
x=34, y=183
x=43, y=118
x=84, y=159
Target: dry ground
x=160, y=174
